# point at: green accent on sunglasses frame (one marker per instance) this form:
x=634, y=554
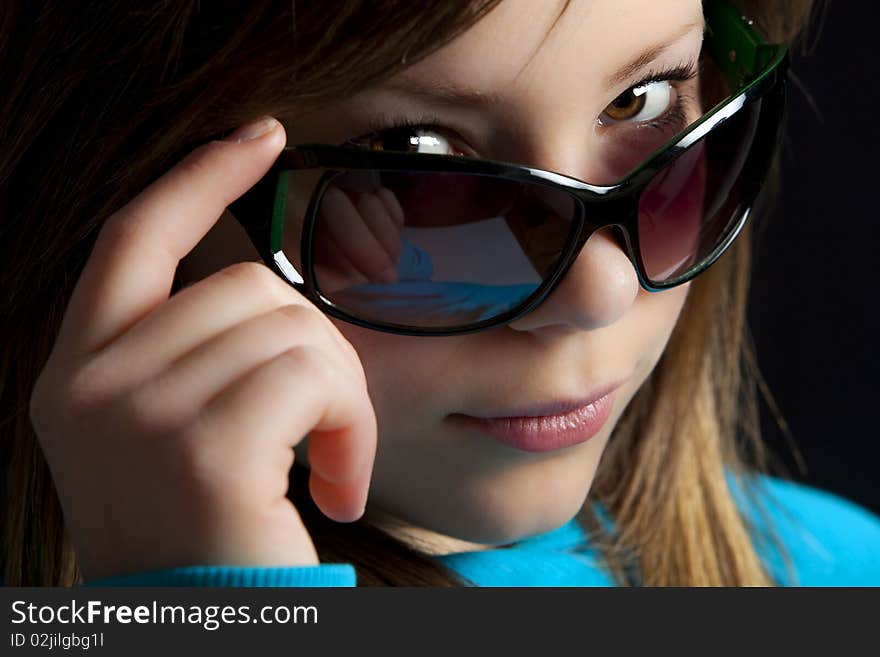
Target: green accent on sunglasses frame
x=278, y=210
x=737, y=48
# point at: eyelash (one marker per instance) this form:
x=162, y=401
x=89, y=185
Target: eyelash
x=387, y=122
x=675, y=116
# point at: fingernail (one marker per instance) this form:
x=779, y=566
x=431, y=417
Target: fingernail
x=252, y=130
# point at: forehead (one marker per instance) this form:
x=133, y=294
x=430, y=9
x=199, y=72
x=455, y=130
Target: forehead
x=520, y=42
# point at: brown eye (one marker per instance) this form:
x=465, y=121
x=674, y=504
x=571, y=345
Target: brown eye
x=645, y=102
x=407, y=139
x=626, y=106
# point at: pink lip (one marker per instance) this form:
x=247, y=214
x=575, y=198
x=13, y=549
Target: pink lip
x=551, y=426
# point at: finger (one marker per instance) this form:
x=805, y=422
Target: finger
x=347, y=226
x=389, y=198
x=341, y=504
x=132, y=265
x=199, y=375
x=197, y=313
x=381, y=223
x=296, y=393
x=333, y=271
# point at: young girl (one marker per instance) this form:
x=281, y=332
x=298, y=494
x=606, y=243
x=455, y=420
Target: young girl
x=488, y=373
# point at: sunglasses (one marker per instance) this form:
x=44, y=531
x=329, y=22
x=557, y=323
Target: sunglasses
x=432, y=244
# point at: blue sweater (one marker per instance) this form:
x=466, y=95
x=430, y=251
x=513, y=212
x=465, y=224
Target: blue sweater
x=831, y=542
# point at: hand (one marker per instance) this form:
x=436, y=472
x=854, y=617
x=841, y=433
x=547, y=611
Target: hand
x=359, y=238
x=169, y=423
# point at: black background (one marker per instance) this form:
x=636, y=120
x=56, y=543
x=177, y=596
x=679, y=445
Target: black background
x=814, y=292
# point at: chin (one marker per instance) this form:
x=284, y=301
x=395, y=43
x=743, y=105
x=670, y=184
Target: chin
x=496, y=509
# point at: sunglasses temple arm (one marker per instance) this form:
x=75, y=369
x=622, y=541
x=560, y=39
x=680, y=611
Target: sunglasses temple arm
x=737, y=48
x=254, y=212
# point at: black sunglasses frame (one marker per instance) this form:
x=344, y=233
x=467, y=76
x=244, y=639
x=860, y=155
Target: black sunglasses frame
x=614, y=205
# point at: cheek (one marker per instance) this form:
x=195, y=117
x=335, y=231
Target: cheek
x=416, y=381
x=664, y=306
x=658, y=314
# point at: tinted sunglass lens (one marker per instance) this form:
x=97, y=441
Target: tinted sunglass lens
x=435, y=250
x=691, y=207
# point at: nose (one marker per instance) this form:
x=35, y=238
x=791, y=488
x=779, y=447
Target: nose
x=596, y=291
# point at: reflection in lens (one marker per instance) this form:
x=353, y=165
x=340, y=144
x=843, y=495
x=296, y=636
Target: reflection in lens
x=435, y=249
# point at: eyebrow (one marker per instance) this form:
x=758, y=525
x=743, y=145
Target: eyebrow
x=627, y=72
x=450, y=94
x=453, y=94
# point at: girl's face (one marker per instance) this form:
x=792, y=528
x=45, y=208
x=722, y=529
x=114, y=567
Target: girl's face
x=538, y=96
